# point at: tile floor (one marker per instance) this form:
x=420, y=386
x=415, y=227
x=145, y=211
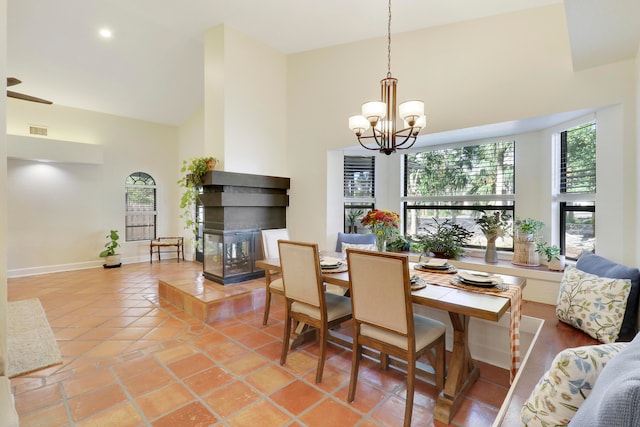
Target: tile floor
x=130, y=359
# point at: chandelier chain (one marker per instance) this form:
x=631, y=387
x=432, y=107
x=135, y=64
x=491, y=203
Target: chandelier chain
x=389, y=42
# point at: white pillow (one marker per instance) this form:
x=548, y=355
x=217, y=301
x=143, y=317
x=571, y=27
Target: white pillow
x=365, y=247
x=593, y=304
x=562, y=389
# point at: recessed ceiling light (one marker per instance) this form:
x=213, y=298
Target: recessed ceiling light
x=105, y=33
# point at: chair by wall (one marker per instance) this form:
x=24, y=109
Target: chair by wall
x=166, y=242
x=383, y=319
x=270, y=250
x=354, y=239
x=306, y=300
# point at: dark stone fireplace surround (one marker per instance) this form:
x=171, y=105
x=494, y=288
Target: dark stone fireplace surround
x=236, y=207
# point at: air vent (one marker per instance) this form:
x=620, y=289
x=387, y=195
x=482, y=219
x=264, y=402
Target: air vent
x=37, y=130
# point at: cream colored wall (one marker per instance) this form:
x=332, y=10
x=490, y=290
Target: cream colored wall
x=59, y=213
x=492, y=70
x=245, y=103
x=3, y=189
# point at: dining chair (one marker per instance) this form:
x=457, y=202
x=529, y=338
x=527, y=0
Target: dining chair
x=305, y=298
x=383, y=319
x=270, y=250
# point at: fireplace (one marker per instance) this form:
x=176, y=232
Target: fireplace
x=236, y=207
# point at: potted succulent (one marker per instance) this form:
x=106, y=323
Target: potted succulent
x=112, y=259
x=444, y=239
x=555, y=261
x=526, y=234
x=193, y=170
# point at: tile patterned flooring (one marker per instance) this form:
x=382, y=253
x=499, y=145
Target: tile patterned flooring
x=130, y=359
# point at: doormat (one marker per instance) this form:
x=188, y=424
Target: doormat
x=31, y=344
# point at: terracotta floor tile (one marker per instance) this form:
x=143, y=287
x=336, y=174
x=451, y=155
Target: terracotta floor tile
x=40, y=398
x=190, y=365
x=231, y=398
x=164, y=400
x=175, y=353
x=123, y=415
x=269, y=379
x=82, y=383
x=192, y=415
x=94, y=401
x=109, y=348
x=366, y=398
x=246, y=363
x=205, y=381
x=136, y=366
x=331, y=413
x=297, y=397
x=226, y=351
x=261, y=414
x=148, y=381
x=51, y=416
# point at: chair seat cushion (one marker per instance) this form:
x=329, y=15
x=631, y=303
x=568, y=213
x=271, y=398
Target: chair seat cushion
x=593, y=304
x=595, y=264
x=277, y=285
x=337, y=306
x=426, y=330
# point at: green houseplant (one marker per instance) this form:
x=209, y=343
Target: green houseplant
x=112, y=259
x=352, y=217
x=193, y=170
x=525, y=237
x=444, y=239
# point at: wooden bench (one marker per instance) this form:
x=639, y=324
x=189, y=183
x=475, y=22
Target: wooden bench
x=166, y=242
x=554, y=337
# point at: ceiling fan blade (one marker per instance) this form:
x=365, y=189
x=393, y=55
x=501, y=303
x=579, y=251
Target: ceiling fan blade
x=12, y=81
x=24, y=97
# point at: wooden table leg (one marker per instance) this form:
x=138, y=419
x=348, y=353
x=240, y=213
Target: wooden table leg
x=461, y=372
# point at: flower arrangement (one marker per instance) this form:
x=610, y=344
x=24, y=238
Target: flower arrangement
x=383, y=224
x=495, y=225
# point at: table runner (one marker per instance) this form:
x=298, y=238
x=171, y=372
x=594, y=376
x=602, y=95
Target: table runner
x=514, y=293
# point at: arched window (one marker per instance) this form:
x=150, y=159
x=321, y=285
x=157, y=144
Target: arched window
x=140, y=200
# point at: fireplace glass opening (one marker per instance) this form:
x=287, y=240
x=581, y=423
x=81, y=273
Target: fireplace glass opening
x=229, y=256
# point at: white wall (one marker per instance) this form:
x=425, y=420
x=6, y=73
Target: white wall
x=60, y=213
x=245, y=103
x=3, y=190
x=491, y=70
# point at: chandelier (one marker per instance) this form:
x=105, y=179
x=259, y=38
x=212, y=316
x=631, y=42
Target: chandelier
x=380, y=116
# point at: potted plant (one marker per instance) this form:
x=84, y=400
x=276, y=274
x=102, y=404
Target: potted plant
x=400, y=244
x=112, y=259
x=526, y=234
x=193, y=170
x=444, y=239
x=555, y=261
x=352, y=217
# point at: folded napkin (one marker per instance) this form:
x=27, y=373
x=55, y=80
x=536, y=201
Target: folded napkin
x=435, y=262
x=330, y=261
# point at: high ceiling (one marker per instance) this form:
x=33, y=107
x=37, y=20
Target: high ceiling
x=152, y=67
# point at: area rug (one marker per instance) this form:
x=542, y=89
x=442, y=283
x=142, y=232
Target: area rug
x=31, y=344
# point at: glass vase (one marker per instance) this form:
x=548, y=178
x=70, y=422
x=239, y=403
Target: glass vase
x=491, y=254
x=381, y=243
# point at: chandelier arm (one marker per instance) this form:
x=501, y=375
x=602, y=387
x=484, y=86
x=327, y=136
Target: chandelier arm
x=364, y=146
x=406, y=139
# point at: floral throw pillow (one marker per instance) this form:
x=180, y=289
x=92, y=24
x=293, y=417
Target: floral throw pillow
x=562, y=389
x=593, y=304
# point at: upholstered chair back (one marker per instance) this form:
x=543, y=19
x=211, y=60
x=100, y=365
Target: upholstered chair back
x=270, y=241
x=301, y=275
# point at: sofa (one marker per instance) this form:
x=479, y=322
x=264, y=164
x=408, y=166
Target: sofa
x=593, y=385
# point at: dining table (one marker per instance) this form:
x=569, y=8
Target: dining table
x=462, y=302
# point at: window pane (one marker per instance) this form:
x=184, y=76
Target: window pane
x=140, y=205
x=578, y=220
x=353, y=213
x=420, y=218
x=486, y=169
x=578, y=160
x=359, y=176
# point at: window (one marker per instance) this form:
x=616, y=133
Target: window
x=359, y=189
x=140, y=200
x=577, y=190
x=459, y=184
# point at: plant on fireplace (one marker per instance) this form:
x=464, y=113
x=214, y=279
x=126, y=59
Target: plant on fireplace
x=193, y=170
